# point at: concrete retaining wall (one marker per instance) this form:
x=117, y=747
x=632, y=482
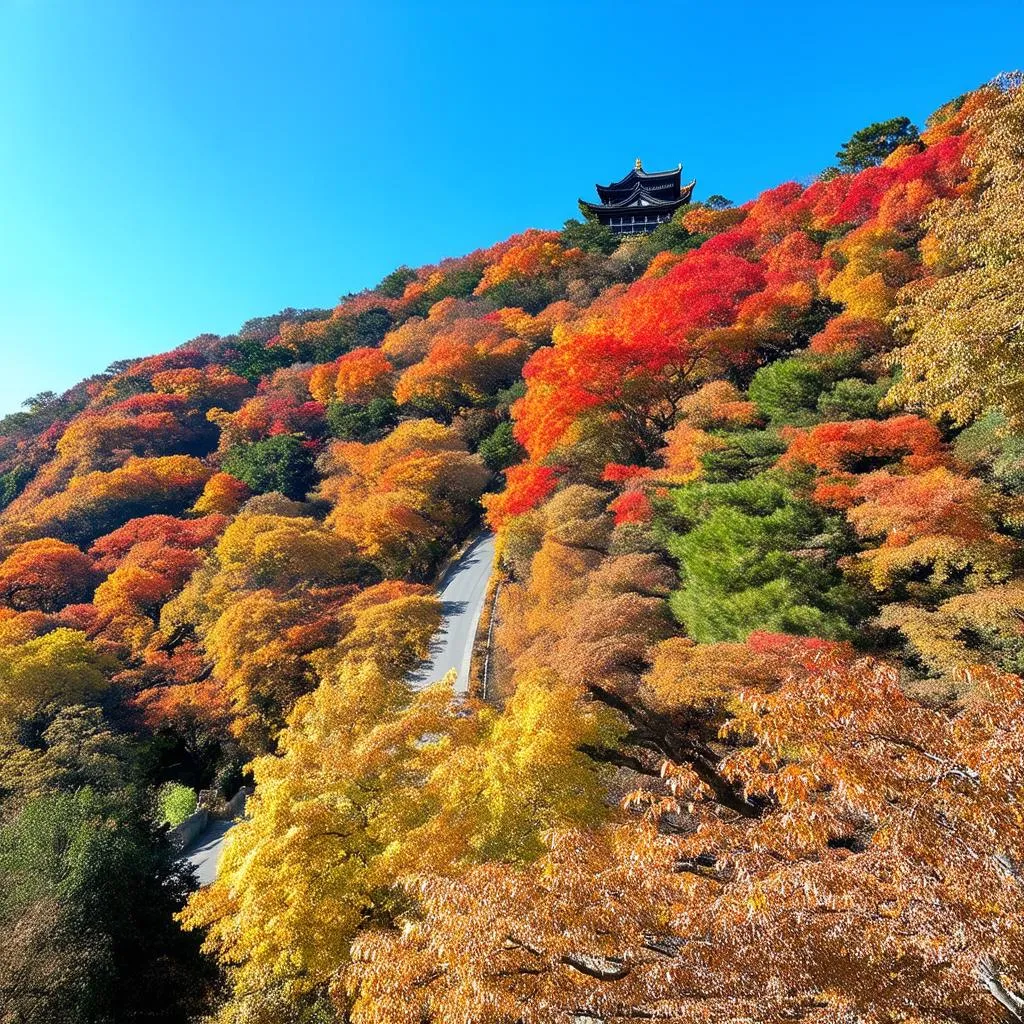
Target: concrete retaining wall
x=235, y=807
x=182, y=835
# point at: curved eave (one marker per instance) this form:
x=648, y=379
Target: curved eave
x=635, y=176
x=632, y=203
x=651, y=205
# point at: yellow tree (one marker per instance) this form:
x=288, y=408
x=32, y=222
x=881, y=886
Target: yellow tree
x=374, y=783
x=964, y=350
x=60, y=666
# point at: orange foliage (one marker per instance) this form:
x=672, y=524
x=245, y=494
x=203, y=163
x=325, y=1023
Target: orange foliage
x=526, y=486
x=45, y=575
x=356, y=378
x=223, y=493
x=530, y=254
x=397, y=499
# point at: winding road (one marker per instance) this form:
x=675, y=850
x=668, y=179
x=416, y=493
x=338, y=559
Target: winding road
x=461, y=590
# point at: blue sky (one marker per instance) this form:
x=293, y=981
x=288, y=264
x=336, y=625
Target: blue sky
x=173, y=168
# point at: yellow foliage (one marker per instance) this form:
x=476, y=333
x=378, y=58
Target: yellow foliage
x=61, y=666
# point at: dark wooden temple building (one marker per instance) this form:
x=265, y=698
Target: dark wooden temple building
x=640, y=201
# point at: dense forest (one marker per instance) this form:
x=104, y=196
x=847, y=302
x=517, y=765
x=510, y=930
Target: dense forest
x=755, y=751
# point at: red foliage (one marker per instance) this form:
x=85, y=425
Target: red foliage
x=167, y=531
x=186, y=709
x=631, y=507
x=526, y=486
x=616, y=473
x=45, y=575
x=850, y=334
x=667, y=331
x=911, y=442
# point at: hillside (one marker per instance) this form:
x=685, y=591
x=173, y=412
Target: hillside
x=755, y=749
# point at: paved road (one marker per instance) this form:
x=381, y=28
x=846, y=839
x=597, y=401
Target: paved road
x=462, y=592
x=205, y=851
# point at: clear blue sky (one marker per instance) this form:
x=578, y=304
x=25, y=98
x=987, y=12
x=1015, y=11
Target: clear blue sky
x=173, y=168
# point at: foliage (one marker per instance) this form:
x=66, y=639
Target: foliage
x=175, y=802
x=756, y=556
x=788, y=391
x=45, y=574
x=88, y=892
x=283, y=463
x=978, y=241
x=374, y=782
x=362, y=423
x=869, y=146
x=400, y=500
x=60, y=666
x=590, y=236
x=500, y=449
x=854, y=790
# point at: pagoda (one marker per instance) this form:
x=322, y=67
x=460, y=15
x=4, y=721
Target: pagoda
x=640, y=201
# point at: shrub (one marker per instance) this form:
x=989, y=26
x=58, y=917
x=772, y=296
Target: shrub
x=362, y=422
x=175, y=802
x=853, y=399
x=283, y=463
x=787, y=391
x=501, y=449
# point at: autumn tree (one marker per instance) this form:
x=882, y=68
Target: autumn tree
x=763, y=911
x=400, y=499
x=963, y=348
x=671, y=334
x=375, y=782
x=46, y=574
x=60, y=666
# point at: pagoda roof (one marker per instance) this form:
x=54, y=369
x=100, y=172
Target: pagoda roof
x=640, y=198
x=639, y=176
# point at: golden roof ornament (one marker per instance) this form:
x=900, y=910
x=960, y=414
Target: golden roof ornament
x=638, y=166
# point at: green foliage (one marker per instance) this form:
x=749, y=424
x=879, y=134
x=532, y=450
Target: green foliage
x=991, y=446
x=590, y=236
x=457, y=284
x=282, y=463
x=12, y=483
x=746, y=453
x=788, y=390
x=504, y=398
x=126, y=386
x=718, y=202
x=175, y=802
x=362, y=422
x=263, y=328
x=754, y=556
x=66, y=751
x=88, y=893
x=670, y=237
x=501, y=450
x=852, y=399
x=869, y=146
x=393, y=286
x=529, y=293
x=347, y=332
x=36, y=403
x=255, y=360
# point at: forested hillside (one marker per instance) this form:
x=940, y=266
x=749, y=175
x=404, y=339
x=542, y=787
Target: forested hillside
x=756, y=752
